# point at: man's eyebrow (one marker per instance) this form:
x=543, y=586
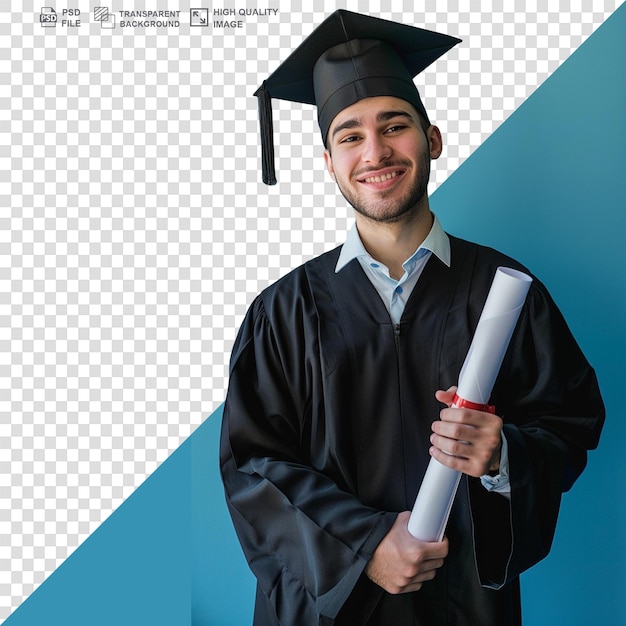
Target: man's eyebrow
x=383, y=116
x=351, y=123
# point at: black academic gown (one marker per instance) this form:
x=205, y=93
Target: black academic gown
x=326, y=433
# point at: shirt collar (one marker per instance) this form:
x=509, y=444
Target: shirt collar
x=437, y=242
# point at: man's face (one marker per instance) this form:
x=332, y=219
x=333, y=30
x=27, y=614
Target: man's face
x=379, y=155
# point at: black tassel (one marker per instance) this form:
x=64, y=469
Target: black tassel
x=267, y=135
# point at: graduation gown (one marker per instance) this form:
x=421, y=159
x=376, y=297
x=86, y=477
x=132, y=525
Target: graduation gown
x=325, y=439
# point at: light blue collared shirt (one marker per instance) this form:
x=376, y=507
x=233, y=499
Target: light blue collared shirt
x=395, y=294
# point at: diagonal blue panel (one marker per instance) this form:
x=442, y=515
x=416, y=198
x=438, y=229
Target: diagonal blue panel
x=548, y=188
x=222, y=591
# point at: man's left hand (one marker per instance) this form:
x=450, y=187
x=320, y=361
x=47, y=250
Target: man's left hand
x=466, y=440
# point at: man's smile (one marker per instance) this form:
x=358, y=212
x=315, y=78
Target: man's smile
x=381, y=178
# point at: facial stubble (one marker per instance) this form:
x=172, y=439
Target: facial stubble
x=407, y=208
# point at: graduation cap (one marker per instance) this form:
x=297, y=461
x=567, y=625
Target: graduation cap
x=348, y=57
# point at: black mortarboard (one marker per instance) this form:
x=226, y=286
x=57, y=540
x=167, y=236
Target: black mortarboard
x=348, y=57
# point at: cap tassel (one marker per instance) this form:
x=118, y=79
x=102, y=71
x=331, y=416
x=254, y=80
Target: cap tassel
x=267, y=135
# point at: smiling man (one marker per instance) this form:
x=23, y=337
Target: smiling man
x=341, y=379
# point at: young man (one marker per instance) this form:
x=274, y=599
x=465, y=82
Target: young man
x=341, y=369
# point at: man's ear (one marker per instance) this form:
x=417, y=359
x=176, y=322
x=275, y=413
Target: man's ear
x=435, y=142
x=329, y=163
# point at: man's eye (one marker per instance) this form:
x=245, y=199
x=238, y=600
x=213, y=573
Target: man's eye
x=393, y=129
x=349, y=139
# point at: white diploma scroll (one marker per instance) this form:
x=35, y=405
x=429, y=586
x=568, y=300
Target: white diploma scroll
x=481, y=366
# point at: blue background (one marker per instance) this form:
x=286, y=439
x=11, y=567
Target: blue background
x=547, y=188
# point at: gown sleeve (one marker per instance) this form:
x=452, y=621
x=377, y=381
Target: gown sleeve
x=306, y=540
x=549, y=399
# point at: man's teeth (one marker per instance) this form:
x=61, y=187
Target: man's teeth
x=380, y=179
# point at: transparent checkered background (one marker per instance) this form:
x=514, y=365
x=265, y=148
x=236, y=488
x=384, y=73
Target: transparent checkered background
x=134, y=231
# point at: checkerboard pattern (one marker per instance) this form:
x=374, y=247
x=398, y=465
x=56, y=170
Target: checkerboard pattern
x=134, y=230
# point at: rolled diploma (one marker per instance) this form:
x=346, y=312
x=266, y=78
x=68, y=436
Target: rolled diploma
x=481, y=366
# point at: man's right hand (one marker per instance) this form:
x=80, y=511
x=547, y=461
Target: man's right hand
x=402, y=563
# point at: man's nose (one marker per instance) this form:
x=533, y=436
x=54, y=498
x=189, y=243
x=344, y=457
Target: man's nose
x=376, y=148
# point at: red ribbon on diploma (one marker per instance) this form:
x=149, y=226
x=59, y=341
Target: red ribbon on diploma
x=462, y=403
